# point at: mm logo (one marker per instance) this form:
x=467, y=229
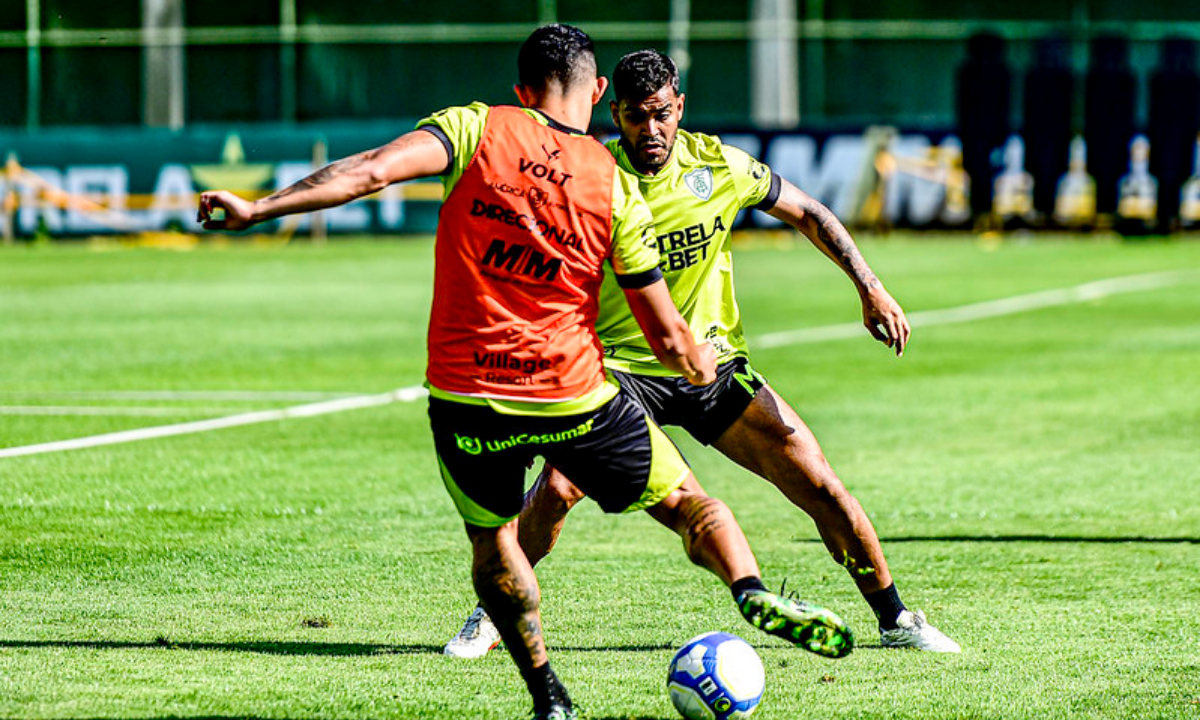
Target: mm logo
x=469, y=445
x=522, y=260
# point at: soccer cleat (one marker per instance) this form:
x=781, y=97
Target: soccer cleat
x=556, y=711
x=477, y=637
x=915, y=632
x=813, y=628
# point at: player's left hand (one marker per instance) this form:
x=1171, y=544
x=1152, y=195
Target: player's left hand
x=885, y=319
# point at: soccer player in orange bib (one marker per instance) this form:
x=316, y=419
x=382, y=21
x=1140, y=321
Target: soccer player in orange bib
x=533, y=210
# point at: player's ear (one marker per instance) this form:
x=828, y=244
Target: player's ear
x=523, y=94
x=615, y=109
x=679, y=104
x=601, y=86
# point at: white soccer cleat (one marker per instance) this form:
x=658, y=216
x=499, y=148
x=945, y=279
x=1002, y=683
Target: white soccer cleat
x=477, y=637
x=915, y=632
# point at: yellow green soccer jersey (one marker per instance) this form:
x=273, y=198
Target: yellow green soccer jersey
x=695, y=199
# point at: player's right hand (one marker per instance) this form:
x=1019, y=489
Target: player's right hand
x=885, y=319
x=704, y=365
x=238, y=213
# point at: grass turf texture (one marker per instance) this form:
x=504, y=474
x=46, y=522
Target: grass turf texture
x=1034, y=478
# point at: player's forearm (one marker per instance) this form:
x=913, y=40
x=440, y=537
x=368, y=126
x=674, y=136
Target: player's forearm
x=818, y=223
x=335, y=184
x=677, y=350
x=668, y=334
x=830, y=236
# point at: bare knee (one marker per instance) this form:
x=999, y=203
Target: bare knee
x=828, y=491
x=553, y=495
x=808, y=480
x=562, y=489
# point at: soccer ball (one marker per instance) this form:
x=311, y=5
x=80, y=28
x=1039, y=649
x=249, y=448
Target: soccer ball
x=716, y=676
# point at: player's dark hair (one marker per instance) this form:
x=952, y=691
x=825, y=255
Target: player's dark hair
x=556, y=54
x=640, y=74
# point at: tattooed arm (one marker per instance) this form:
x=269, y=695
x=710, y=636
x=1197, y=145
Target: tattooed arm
x=416, y=154
x=882, y=315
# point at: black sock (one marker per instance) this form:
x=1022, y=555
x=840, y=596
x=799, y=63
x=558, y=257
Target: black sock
x=545, y=687
x=887, y=606
x=740, y=587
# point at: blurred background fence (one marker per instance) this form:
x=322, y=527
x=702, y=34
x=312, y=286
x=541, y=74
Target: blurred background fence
x=910, y=112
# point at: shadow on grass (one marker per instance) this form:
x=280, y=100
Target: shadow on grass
x=265, y=648
x=1027, y=539
x=295, y=648
x=611, y=648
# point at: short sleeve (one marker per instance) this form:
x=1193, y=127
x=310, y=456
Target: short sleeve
x=634, y=244
x=463, y=127
x=753, y=180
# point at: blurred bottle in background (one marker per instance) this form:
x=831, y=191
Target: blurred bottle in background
x=1075, y=203
x=1189, y=206
x=1138, y=192
x=956, y=208
x=1014, y=187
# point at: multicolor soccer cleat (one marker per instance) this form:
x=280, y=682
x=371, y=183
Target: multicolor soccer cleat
x=914, y=631
x=813, y=628
x=556, y=712
x=478, y=635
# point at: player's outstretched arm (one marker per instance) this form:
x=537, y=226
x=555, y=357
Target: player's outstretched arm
x=669, y=335
x=416, y=154
x=882, y=315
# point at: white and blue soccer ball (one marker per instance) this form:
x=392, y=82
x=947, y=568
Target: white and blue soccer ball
x=716, y=676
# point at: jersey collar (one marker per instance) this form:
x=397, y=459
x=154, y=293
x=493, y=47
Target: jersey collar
x=556, y=125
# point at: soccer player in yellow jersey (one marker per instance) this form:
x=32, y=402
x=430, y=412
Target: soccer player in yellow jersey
x=695, y=186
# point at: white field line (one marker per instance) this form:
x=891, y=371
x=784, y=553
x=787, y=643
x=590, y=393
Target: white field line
x=183, y=395
x=989, y=309
x=109, y=410
x=924, y=318
x=408, y=394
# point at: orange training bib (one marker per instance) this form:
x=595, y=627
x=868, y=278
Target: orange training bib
x=521, y=241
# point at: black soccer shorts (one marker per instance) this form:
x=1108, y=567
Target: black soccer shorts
x=616, y=455
x=705, y=412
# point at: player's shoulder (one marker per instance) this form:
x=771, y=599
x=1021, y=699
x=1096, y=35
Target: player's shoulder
x=477, y=107
x=699, y=148
x=613, y=145
x=457, y=115
x=703, y=149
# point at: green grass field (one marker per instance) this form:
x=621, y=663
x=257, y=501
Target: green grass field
x=1035, y=478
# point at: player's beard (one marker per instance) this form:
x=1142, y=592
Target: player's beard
x=646, y=162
